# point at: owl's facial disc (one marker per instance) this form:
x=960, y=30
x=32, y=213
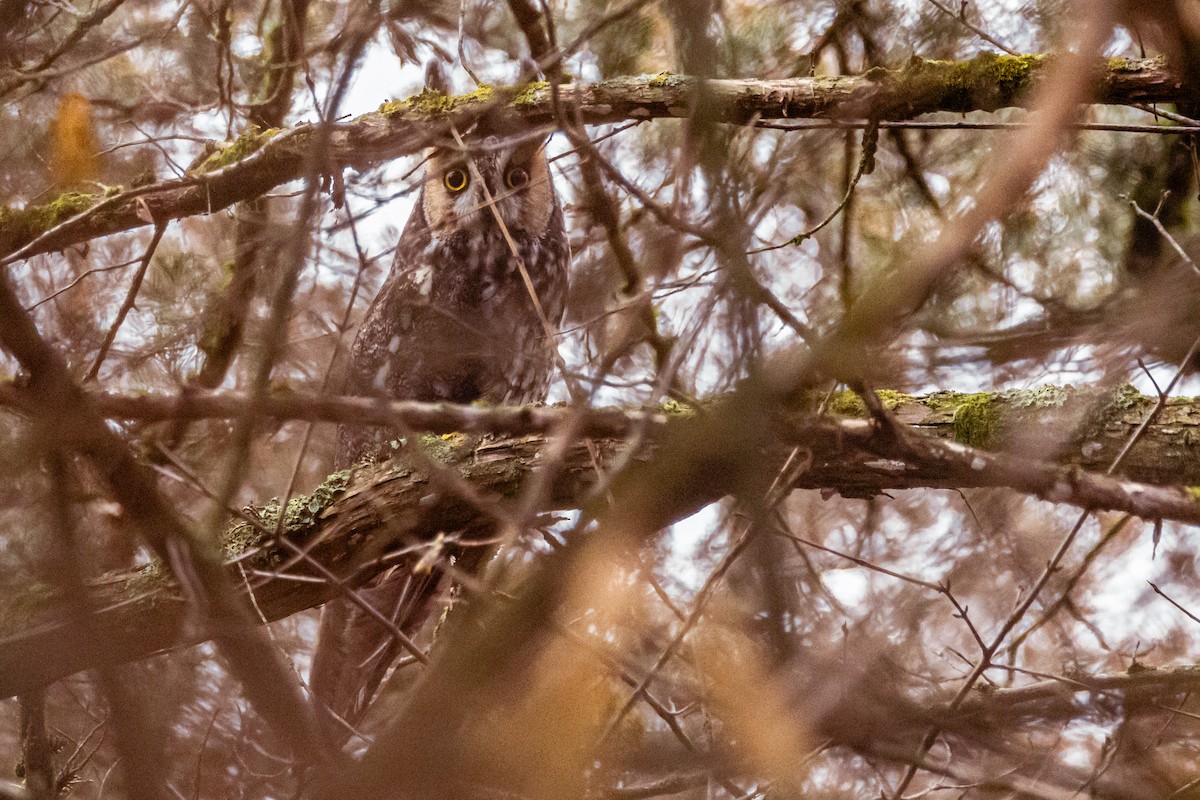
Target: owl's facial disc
x=466, y=194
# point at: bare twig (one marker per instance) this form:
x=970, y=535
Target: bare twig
x=135, y=286
x=975, y=29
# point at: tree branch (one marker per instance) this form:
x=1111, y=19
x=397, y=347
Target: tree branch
x=260, y=161
x=355, y=516
x=1094, y=425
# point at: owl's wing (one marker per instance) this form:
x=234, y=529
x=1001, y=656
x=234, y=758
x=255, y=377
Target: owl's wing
x=354, y=649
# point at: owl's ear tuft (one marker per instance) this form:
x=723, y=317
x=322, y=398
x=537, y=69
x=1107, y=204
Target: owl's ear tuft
x=529, y=151
x=435, y=78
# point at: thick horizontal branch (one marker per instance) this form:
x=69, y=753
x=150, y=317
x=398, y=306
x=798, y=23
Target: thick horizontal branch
x=1088, y=427
x=261, y=161
x=1055, y=697
x=355, y=514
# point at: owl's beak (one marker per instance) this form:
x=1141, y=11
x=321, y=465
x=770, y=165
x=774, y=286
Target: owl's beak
x=501, y=203
x=492, y=182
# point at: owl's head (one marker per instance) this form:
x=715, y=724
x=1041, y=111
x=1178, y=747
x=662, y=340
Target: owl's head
x=462, y=189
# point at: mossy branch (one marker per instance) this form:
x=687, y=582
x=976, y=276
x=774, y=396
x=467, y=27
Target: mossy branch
x=352, y=516
x=260, y=161
x=1092, y=425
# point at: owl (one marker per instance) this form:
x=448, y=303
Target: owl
x=455, y=320
x=478, y=279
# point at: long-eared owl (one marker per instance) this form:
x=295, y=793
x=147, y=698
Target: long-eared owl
x=455, y=319
x=478, y=280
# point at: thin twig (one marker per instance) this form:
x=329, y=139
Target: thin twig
x=130, y=299
x=975, y=29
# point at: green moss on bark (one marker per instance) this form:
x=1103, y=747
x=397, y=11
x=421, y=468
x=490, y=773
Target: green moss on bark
x=986, y=82
x=529, y=92
x=433, y=103
x=976, y=420
x=299, y=518
x=249, y=142
x=19, y=226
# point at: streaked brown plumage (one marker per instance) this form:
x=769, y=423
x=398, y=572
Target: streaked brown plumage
x=455, y=321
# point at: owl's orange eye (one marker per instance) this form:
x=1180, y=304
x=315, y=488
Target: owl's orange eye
x=456, y=180
x=516, y=178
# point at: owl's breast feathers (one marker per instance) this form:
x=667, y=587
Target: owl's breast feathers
x=455, y=321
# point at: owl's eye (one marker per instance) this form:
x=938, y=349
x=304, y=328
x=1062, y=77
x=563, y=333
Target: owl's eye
x=456, y=180
x=516, y=178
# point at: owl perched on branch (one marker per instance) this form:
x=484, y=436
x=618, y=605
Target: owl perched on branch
x=467, y=312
